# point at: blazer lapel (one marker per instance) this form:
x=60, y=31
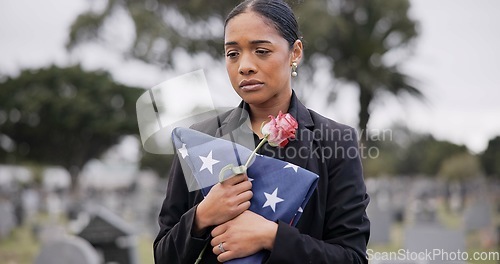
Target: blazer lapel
x=298, y=151
x=231, y=122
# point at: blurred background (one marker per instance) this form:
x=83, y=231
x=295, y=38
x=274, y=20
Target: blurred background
x=419, y=79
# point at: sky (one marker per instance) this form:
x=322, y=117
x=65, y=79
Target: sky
x=455, y=61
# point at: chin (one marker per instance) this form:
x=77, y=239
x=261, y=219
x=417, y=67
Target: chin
x=252, y=98
x=258, y=100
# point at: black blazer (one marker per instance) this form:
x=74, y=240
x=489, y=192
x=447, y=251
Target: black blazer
x=333, y=228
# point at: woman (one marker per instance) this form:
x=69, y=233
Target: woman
x=263, y=48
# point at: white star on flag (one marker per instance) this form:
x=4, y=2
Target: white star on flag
x=272, y=200
x=301, y=210
x=208, y=162
x=183, y=151
x=293, y=166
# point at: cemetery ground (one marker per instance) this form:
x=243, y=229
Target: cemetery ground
x=475, y=241
x=22, y=246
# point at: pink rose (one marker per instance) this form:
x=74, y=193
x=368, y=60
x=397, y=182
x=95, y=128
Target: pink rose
x=280, y=129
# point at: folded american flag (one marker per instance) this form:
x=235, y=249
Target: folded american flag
x=280, y=189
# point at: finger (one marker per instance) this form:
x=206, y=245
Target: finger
x=243, y=206
x=215, y=241
x=245, y=176
x=243, y=186
x=223, y=257
x=218, y=239
x=218, y=230
x=242, y=198
x=235, y=179
x=245, y=196
x=217, y=250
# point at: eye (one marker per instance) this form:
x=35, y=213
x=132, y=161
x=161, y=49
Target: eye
x=262, y=51
x=232, y=54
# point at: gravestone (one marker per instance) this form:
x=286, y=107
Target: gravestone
x=477, y=216
x=424, y=212
x=423, y=204
x=399, y=199
x=111, y=236
x=49, y=232
x=380, y=222
x=425, y=238
x=67, y=250
x=30, y=199
x=145, y=203
x=7, y=218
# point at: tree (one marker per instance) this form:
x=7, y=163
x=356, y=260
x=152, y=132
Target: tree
x=425, y=155
x=490, y=159
x=359, y=37
x=161, y=27
x=381, y=152
x=63, y=116
x=460, y=167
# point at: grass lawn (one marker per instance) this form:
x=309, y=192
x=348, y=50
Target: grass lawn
x=21, y=247
x=475, y=241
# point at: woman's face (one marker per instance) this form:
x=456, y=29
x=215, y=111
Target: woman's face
x=258, y=60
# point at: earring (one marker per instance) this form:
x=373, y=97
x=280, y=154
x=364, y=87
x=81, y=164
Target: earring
x=294, y=69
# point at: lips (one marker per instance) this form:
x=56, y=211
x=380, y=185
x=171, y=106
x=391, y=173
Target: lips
x=251, y=85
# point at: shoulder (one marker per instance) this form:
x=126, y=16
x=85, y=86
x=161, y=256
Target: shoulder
x=210, y=125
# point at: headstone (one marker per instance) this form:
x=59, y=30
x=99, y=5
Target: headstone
x=455, y=195
x=48, y=232
x=424, y=212
x=30, y=199
x=381, y=221
x=423, y=203
x=112, y=237
x=67, y=250
x=146, y=203
x=400, y=198
x=444, y=243
x=477, y=216
x=7, y=218
x=54, y=205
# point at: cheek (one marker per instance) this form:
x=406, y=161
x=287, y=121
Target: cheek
x=232, y=72
x=278, y=72
x=277, y=66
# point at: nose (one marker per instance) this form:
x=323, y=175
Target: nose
x=247, y=65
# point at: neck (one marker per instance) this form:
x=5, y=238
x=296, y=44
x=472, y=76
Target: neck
x=260, y=114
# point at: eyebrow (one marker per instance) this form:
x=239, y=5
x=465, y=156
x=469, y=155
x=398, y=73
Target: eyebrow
x=259, y=41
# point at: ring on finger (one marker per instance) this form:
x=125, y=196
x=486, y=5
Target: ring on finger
x=221, y=248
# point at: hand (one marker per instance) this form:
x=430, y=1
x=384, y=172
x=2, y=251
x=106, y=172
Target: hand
x=243, y=236
x=224, y=202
